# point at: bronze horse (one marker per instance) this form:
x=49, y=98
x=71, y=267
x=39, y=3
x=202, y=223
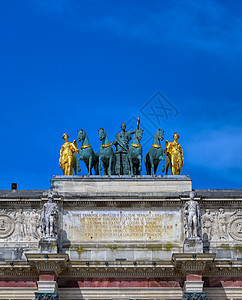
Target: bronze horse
x=90, y=157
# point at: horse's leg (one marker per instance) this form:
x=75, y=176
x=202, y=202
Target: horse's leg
x=161, y=158
x=96, y=168
x=147, y=164
x=110, y=165
x=152, y=166
x=168, y=163
x=100, y=166
x=113, y=164
x=78, y=164
x=140, y=163
x=90, y=165
x=105, y=167
x=131, y=171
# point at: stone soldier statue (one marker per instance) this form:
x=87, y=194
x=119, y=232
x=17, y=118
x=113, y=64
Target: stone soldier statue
x=50, y=219
x=121, y=143
x=192, y=218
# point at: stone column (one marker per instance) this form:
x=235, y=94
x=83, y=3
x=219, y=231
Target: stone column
x=47, y=286
x=192, y=266
x=49, y=266
x=193, y=286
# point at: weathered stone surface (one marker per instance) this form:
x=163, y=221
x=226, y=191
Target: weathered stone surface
x=122, y=225
x=193, y=245
x=121, y=237
x=120, y=184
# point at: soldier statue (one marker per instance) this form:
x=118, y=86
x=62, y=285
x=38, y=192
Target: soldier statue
x=50, y=219
x=192, y=218
x=121, y=143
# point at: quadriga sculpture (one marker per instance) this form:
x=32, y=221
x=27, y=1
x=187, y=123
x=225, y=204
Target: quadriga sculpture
x=90, y=157
x=155, y=154
x=106, y=154
x=135, y=153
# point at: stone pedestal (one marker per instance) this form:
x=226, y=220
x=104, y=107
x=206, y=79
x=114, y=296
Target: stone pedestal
x=48, y=245
x=119, y=185
x=193, y=245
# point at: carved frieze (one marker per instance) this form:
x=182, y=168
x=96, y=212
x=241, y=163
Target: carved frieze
x=220, y=225
x=19, y=225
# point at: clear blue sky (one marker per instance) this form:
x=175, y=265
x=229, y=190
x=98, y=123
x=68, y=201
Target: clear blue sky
x=69, y=64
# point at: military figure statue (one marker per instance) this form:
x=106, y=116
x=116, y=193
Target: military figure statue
x=192, y=218
x=50, y=219
x=121, y=143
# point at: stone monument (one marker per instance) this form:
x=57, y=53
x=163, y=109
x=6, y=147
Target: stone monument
x=49, y=226
x=192, y=226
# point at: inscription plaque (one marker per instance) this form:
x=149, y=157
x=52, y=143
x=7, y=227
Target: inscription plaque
x=122, y=225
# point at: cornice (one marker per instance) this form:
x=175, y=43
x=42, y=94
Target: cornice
x=47, y=262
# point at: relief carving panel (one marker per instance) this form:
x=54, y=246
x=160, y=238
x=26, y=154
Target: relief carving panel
x=220, y=225
x=19, y=225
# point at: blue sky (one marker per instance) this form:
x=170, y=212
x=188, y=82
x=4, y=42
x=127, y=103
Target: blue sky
x=70, y=64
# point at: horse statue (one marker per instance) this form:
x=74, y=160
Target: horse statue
x=106, y=154
x=135, y=153
x=155, y=154
x=90, y=157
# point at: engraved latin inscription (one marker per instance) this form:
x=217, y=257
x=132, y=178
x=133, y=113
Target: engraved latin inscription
x=122, y=225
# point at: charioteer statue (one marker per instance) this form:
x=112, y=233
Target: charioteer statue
x=121, y=143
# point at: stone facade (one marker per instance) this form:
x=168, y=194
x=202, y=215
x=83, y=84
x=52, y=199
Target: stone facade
x=120, y=238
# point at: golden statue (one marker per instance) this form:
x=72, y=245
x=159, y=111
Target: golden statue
x=68, y=153
x=174, y=156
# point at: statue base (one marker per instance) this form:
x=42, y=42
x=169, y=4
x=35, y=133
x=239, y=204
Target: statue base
x=193, y=245
x=48, y=245
x=120, y=185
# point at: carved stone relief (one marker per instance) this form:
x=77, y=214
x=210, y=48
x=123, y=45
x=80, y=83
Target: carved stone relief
x=219, y=225
x=19, y=225
x=235, y=226
x=207, y=225
x=6, y=226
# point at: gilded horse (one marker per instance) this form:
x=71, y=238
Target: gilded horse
x=135, y=153
x=106, y=154
x=155, y=154
x=90, y=157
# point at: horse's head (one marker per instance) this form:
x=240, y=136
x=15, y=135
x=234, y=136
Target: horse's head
x=160, y=134
x=101, y=134
x=81, y=135
x=139, y=133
